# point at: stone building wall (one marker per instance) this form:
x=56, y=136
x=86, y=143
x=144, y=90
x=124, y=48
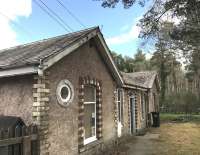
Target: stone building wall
x=140, y=123
x=16, y=97
x=63, y=122
x=127, y=111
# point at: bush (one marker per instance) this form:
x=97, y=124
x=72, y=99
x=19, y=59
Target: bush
x=184, y=102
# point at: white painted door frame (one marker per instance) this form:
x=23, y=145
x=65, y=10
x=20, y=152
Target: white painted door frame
x=132, y=113
x=120, y=112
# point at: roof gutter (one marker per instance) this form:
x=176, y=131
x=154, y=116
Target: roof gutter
x=40, y=69
x=49, y=61
x=135, y=87
x=18, y=71
x=43, y=65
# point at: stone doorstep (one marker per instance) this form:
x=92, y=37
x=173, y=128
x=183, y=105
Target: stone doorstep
x=141, y=132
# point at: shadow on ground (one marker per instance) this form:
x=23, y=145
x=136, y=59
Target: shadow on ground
x=169, y=139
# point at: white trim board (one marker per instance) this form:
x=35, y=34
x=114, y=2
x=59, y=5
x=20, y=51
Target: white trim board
x=76, y=45
x=18, y=71
x=135, y=87
x=109, y=56
x=51, y=61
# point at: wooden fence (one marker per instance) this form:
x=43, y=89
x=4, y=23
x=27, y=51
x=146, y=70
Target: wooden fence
x=21, y=140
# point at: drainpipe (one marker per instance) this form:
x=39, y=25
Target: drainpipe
x=40, y=69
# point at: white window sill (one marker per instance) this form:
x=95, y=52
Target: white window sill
x=90, y=140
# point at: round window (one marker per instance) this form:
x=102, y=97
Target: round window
x=65, y=92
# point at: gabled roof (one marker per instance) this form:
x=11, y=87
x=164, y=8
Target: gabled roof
x=34, y=53
x=143, y=79
x=38, y=56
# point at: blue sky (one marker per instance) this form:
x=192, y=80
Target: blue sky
x=118, y=24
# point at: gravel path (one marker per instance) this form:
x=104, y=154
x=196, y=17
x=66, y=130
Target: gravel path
x=143, y=145
x=169, y=139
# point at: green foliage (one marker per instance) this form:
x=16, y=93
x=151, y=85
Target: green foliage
x=128, y=64
x=188, y=30
x=182, y=102
x=171, y=39
x=187, y=11
x=119, y=61
x=164, y=61
x=194, y=62
x=140, y=63
x=171, y=117
x=126, y=3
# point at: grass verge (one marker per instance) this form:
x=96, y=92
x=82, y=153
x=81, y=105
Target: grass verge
x=169, y=117
x=178, y=139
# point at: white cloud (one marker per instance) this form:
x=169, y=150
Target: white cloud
x=125, y=37
x=148, y=56
x=132, y=34
x=9, y=11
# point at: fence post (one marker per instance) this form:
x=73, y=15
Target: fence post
x=27, y=145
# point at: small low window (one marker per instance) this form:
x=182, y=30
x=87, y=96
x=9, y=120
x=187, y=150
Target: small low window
x=65, y=92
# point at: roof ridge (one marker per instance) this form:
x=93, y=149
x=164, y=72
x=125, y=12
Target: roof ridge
x=71, y=42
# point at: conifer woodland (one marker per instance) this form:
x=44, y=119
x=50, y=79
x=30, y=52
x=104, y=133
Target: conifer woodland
x=174, y=28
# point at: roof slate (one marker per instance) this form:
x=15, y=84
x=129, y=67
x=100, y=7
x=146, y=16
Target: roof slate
x=33, y=53
x=142, y=79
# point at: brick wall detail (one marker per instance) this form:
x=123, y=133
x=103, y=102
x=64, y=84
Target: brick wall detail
x=97, y=84
x=40, y=110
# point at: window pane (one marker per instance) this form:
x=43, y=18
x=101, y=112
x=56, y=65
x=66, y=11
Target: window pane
x=64, y=92
x=89, y=120
x=119, y=92
x=122, y=107
x=89, y=94
x=119, y=111
x=120, y=104
x=143, y=105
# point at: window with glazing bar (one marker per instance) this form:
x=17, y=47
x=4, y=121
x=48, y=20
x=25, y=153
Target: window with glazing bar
x=89, y=114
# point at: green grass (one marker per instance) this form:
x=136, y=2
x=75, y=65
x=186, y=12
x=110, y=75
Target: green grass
x=168, y=117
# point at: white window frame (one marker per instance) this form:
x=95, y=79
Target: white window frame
x=93, y=138
x=143, y=105
x=69, y=93
x=65, y=101
x=121, y=102
x=132, y=97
